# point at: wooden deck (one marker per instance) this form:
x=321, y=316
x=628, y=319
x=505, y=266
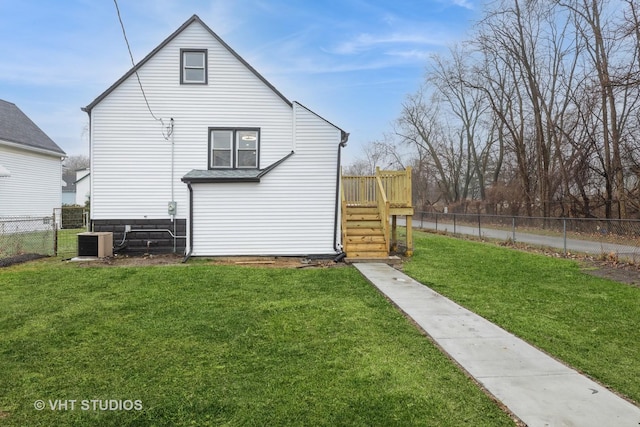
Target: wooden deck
x=370, y=206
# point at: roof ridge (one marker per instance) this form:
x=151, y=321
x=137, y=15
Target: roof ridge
x=191, y=20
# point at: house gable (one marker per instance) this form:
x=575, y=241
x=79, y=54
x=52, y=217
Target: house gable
x=140, y=64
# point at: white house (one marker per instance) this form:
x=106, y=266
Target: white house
x=68, y=187
x=30, y=166
x=83, y=186
x=193, y=150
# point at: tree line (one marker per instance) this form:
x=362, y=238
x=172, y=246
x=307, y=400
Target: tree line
x=537, y=114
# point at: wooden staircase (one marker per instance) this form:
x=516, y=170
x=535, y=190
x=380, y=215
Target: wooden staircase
x=369, y=204
x=364, y=237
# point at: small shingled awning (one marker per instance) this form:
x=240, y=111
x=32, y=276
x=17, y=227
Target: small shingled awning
x=230, y=175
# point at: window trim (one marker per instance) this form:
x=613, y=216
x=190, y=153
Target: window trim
x=183, y=67
x=234, y=148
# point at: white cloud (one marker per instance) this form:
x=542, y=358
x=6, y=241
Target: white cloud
x=412, y=54
x=366, y=41
x=467, y=4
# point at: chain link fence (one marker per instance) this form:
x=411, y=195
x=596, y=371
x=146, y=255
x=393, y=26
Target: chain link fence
x=73, y=220
x=608, y=238
x=24, y=235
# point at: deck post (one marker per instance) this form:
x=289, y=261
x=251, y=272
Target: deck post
x=409, y=223
x=394, y=233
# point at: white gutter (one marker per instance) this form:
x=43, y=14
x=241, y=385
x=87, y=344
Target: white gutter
x=30, y=148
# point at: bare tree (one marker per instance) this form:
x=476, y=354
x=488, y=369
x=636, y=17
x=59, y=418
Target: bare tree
x=420, y=127
x=76, y=162
x=468, y=105
x=383, y=153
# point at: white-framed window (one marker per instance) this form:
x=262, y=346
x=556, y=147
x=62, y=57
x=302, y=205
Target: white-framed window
x=193, y=66
x=233, y=148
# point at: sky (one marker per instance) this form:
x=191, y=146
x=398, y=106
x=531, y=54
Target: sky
x=351, y=61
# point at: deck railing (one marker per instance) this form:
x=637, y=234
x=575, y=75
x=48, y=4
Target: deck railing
x=362, y=190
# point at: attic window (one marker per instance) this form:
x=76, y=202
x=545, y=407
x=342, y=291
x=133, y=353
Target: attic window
x=193, y=66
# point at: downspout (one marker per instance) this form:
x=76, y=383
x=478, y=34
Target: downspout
x=186, y=258
x=173, y=215
x=339, y=251
x=90, y=224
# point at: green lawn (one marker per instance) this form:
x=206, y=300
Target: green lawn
x=68, y=242
x=590, y=323
x=200, y=344
x=40, y=242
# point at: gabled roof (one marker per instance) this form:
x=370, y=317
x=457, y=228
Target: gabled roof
x=17, y=128
x=190, y=21
x=69, y=179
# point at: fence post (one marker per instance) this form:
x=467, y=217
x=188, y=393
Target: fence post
x=436, y=221
x=564, y=234
x=454, y=223
x=513, y=229
x=55, y=232
x=421, y=219
x=479, y=229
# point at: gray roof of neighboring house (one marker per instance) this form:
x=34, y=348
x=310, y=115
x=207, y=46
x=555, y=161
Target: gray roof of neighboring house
x=17, y=128
x=69, y=177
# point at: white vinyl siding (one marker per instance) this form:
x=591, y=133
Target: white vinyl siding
x=131, y=160
x=289, y=212
x=35, y=185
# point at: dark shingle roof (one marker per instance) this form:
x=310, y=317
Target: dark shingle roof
x=16, y=127
x=69, y=177
x=230, y=175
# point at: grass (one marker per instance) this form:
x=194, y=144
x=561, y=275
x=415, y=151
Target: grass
x=68, y=241
x=205, y=345
x=40, y=242
x=590, y=323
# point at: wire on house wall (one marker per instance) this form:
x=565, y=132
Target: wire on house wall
x=167, y=131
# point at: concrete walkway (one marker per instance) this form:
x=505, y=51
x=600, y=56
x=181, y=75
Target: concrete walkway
x=535, y=387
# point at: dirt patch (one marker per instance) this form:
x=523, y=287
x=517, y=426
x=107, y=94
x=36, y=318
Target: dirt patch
x=619, y=272
x=275, y=262
x=174, y=259
x=17, y=259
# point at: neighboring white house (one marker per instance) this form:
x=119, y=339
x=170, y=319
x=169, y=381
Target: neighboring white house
x=68, y=187
x=83, y=186
x=212, y=154
x=30, y=166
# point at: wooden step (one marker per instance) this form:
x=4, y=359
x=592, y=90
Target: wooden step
x=365, y=247
x=362, y=209
x=365, y=238
x=364, y=232
x=363, y=217
x=367, y=255
x=363, y=224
